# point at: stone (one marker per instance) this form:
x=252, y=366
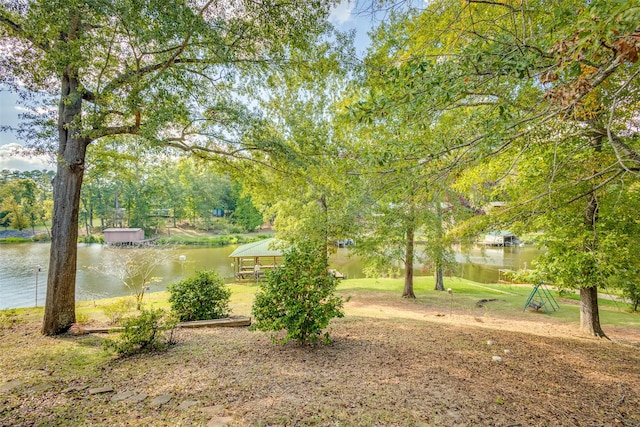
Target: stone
x=160, y=400
x=137, y=398
x=219, y=421
x=489, y=342
x=497, y=359
x=100, y=390
x=10, y=385
x=75, y=388
x=213, y=411
x=507, y=351
x=187, y=404
x=118, y=397
x=40, y=388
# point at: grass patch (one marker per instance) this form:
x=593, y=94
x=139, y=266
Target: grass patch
x=16, y=240
x=211, y=241
x=465, y=295
x=509, y=298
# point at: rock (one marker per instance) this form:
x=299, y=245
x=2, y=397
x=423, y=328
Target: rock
x=40, y=388
x=10, y=385
x=507, y=351
x=497, y=359
x=137, y=398
x=160, y=400
x=219, y=421
x=187, y=404
x=489, y=342
x=100, y=390
x=213, y=411
x=75, y=388
x=122, y=396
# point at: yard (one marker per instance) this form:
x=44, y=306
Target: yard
x=428, y=362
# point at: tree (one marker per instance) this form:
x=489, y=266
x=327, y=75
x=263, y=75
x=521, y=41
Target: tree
x=21, y=202
x=246, y=215
x=134, y=268
x=121, y=68
x=14, y=213
x=304, y=187
x=506, y=72
x=393, y=151
x=204, y=189
x=25, y=198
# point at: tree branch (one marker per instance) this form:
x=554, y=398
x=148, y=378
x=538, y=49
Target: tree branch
x=494, y=3
x=16, y=28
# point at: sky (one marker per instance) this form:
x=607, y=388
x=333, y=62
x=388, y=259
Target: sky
x=343, y=16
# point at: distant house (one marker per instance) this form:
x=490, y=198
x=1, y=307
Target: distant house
x=500, y=238
x=123, y=235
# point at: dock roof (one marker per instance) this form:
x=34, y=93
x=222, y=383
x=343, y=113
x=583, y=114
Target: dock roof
x=260, y=248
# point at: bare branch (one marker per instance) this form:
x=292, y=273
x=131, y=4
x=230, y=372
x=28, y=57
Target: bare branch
x=495, y=3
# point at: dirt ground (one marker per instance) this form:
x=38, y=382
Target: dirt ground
x=391, y=364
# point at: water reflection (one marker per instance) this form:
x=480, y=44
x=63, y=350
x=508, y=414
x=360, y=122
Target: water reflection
x=18, y=261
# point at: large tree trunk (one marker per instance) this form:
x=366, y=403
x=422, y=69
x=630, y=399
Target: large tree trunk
x=440, y=232
x=59, y=312
x=408, y=264
x=589, y=315
x=439, y=279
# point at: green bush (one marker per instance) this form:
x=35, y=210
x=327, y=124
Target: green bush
x=144, y=333
x=41, y=237
x=299, y=297
x=82, y=318
x=90, y=239
x=118, y=309
x=201, y=297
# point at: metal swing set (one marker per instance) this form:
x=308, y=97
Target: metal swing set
x=541, y=297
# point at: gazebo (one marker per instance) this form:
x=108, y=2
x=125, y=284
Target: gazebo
x=251, y=260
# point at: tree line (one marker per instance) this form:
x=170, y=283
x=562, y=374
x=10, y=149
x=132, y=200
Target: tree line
x=26, y=199
x=140, y=193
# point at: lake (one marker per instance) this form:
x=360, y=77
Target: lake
x=18, y=275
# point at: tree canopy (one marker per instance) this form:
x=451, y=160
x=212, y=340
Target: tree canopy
x=162, y=72
x=457, y=104
x=535, y=105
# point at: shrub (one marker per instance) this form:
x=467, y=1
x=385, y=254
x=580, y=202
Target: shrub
x=144, y=333
x=90, y=239
x=82, y=318
x=299, y=297
x=201, y=297
x=118, y=309
x=41, y=237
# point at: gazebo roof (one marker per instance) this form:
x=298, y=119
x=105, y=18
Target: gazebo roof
x=501, y=233
x=256, y=249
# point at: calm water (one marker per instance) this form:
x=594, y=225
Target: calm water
x=18, y=274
